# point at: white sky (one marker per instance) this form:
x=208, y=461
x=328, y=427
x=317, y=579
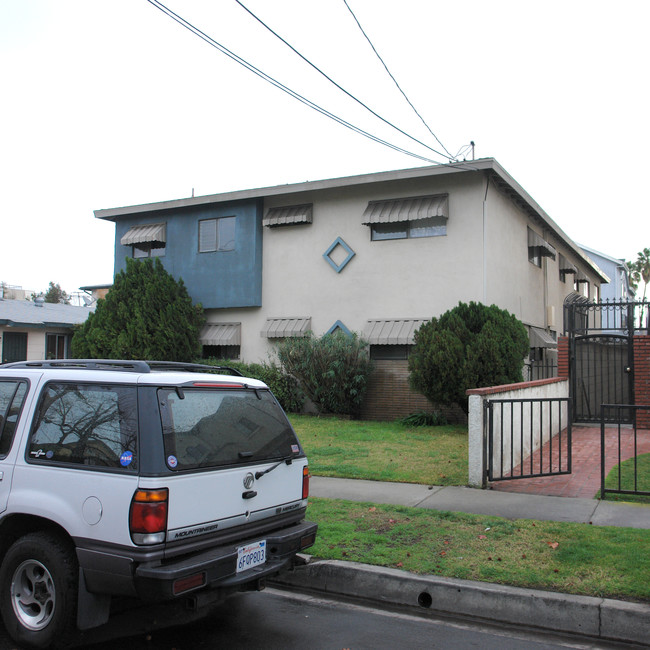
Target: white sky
x=106, y=104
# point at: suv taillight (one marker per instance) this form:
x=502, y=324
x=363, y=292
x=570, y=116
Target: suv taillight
x=305, y=481
x=148, y=516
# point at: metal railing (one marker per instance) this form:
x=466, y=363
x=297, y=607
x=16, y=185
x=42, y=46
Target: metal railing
x=528, y=437
x=609, y=316
x=534, y=370
x=624, y=444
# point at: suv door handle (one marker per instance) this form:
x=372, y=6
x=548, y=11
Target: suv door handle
x=249, y=494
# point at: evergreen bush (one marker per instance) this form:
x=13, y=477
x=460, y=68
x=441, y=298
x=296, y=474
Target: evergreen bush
x=147, y=314
x=470, y=346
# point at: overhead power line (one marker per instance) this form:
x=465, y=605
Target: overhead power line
x=448, y=155
x=224, y=50
x=349, y=94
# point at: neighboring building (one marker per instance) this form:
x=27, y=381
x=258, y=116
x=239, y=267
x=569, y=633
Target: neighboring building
x=30, y=331
x=96, y=292
x=618, y=287
x=376, y=254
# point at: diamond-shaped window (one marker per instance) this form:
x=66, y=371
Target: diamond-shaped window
x=338, y=254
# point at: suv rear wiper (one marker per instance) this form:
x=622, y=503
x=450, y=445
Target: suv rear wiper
x=288, y=460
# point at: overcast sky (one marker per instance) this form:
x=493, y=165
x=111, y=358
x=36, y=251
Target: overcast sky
x=107, y=104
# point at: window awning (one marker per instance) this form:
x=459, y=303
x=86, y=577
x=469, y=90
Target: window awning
x=540, y=338
x=537, y=241
x=395, y=210
x=277, y=328
x=581, y=277
x=220, y=334
x=566, y=266
x=148, y=232
x=287, y=216
x=394, y=331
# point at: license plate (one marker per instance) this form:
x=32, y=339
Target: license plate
x=251, y=555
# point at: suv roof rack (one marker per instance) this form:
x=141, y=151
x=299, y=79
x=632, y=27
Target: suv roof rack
x=84, y=364
x=121, y=364
x=191, y=367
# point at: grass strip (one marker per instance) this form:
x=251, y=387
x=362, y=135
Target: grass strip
x=384, y=451
x=626, y=471
x=564, y=557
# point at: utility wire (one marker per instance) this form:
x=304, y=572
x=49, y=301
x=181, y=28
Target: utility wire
x=395, y=81
x=350, y=95
x=224, y=50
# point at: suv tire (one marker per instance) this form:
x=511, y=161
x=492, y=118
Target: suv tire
x=38, y=590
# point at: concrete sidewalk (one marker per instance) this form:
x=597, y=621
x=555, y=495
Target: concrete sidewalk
x=601, y=619
x=484, y=502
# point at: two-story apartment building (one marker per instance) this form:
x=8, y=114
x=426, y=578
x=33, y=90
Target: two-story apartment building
x=376, y=254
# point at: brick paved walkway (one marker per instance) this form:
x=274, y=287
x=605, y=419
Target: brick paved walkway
x=584, y=481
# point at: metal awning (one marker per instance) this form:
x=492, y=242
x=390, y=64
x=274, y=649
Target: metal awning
x=581, y=277
x=537, y=241
x=395, y=210
x=540, y=338
x=287, y=216
x=220, y=334
x=277, y=328
x=148, y=232
x=393, y=331
x=566, y=266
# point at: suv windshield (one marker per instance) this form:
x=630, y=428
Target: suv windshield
x=210, y=427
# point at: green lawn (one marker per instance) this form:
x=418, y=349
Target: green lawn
x=626, y=472
x=384, y=451
x=566, y=557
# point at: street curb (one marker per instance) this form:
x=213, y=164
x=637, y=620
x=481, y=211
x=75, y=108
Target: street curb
x=600, y=618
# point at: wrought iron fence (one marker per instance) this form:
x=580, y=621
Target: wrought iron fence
x=534, y=370
x=608, y=316
x=621, y=447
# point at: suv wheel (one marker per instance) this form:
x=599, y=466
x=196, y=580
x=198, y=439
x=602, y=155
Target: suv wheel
x=38, y=590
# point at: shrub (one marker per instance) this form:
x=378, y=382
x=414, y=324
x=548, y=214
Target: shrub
x=147, y=314
x=283, y=386
x=332, y=370
x=470, y=346
x=424, y=419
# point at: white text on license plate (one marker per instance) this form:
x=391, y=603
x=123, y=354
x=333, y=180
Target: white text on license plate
x=252, y=555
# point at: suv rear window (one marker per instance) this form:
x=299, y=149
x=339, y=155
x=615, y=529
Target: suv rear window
x=212, y=427
x=86, y=424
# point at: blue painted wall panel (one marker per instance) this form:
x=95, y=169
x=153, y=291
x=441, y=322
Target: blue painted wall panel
x=217, y=279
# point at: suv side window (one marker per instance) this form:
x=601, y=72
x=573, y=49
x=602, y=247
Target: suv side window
x=86, y=424
x=12, y=396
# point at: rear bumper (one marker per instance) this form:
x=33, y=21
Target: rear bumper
x=216, y=566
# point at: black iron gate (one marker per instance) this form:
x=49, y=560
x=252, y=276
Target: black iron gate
x=602, y=373
x=528, y=437
x=601, y=338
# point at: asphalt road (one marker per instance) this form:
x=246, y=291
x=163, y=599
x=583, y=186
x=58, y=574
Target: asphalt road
x=275, y=620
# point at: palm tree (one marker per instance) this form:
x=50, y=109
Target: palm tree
x=640, y=272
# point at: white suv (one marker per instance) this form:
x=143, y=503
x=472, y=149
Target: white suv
x=147, y=479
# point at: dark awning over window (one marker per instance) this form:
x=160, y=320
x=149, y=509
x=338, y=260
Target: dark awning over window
x=394, y=331
x=276, y=328
x=566, y=266
x=540, y=338
x=220, y=334
x=581, y=277
x=148, y=232
x=395, y=210
x=538, y=242
x=287, y=216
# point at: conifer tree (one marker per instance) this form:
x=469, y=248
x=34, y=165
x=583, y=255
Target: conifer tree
x=147, y=314
x=470, y=346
